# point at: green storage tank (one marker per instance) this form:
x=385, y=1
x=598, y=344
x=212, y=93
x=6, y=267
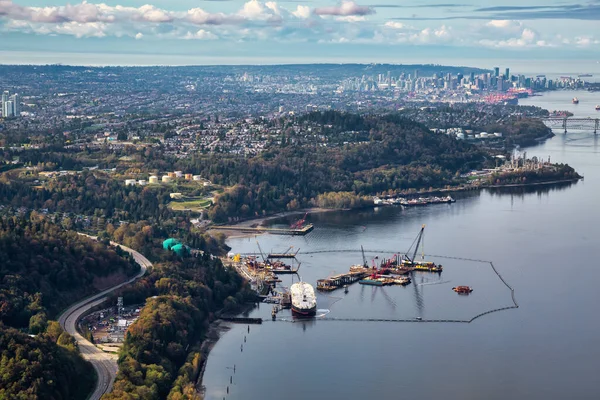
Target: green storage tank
x=169, y=243
x=181, y=250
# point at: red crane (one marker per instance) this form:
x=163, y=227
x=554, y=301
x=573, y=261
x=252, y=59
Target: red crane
x=300, y=223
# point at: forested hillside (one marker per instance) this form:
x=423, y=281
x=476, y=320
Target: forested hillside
x=44, y=268
x=47, y=367
x=172, y=326
x=397, y=154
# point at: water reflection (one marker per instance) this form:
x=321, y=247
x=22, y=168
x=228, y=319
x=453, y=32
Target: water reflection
x=521, y=191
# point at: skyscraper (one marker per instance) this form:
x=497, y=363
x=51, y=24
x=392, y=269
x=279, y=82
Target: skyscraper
x=8, y=110
x=11, y=105
x=5, y=95
x=16, y=105
x=496, y=71
x=507, y=74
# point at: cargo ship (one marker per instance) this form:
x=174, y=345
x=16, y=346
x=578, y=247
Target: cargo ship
x=462, y=289
x=575, y=100
x=304, y=301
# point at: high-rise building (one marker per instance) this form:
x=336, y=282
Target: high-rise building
x=16, y=106
x=8, y=110
x=5, y=95
x=507, y=74
x=11, y=105
x=496, y=71
x=416, y=74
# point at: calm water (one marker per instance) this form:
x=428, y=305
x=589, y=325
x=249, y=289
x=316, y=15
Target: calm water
x=543, y=242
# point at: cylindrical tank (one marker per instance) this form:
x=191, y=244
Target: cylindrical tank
x=166, y=178
x=153, y=179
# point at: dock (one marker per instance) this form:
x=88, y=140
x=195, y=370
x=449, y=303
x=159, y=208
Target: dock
x=275, y=231
x=356, y=274
x=338, y=281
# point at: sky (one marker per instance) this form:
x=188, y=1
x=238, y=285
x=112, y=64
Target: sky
x=296, y=31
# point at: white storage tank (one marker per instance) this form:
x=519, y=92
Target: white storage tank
x=153, y=179
x=196, y=177
x=142, y=182
x=130, y=182
x=166, y=179
x=178, y=174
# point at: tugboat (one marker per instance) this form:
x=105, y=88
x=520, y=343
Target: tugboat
x=575, y=100
x=462, y=289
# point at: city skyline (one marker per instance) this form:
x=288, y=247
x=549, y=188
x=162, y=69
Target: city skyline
x=296, y=31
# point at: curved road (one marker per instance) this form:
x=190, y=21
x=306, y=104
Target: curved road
x=105, y=364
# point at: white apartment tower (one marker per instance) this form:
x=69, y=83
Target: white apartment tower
x=11, y=105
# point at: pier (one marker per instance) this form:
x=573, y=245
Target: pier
x=356, y=274
x=261, y=229
x=338, y=281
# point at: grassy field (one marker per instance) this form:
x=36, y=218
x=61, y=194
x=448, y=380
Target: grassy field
x=199, y=204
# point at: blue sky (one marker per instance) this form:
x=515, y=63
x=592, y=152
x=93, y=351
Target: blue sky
x=234, y=31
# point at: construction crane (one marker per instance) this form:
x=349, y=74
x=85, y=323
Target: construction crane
x=298, y=224
x=365, y=262
x=417, y=240
x=261, y=252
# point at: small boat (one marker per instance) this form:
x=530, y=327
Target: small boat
x=575, y=100
x=462, y=289
x=345, y=288
x=598, y=107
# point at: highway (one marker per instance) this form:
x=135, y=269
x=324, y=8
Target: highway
x=105, y=364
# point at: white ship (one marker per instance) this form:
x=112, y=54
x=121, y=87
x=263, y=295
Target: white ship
x=304, y=301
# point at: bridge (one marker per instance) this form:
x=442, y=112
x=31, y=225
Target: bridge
x=573, y=123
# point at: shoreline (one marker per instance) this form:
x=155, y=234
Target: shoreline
x=216, y=329
x=261, y=221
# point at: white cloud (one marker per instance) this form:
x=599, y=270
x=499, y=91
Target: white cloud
x=503, y=23
x=201, y=35
x=302, y=12
x=527, y=38
x=72, y=28
x=139, y=35
x=152, y=14
x=200, y=17
x=351, y=18
x=585, y=41
x=345, y=8
x=394, y=25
